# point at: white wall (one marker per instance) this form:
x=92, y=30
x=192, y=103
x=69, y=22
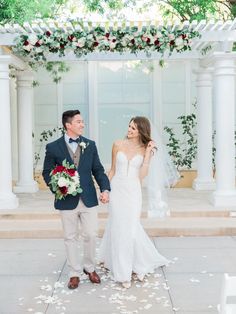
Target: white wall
x=123, y=89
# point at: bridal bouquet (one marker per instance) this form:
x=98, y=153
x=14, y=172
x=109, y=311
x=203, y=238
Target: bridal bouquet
x=65, y=180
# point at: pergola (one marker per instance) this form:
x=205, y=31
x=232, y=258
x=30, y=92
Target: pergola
x=215, y=87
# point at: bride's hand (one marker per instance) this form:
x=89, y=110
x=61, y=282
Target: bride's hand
x=151, y=147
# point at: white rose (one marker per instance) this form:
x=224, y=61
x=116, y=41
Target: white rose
x=28, y=47
x=81, y=42
x=159, y=34
x=90, y=37
x=33, y=39
x=123, y=42
x=179, y=42
x=71, y=188
x=112, y=45
x=171, y=37
x=76, y=177
x=62, y=182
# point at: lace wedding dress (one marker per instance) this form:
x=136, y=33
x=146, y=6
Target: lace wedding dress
x=125, y=247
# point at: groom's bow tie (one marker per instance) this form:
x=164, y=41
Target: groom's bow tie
x=71, y=140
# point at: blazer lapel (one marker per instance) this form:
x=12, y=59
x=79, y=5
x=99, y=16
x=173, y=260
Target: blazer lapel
x=81, y=152
x=64, y=150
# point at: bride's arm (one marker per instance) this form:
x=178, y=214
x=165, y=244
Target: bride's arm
x=113, y=161
x=146, y=160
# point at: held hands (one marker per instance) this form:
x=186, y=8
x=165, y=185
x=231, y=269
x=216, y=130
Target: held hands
x=104, y=197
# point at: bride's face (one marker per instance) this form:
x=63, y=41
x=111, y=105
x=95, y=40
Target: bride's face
x=132, y=131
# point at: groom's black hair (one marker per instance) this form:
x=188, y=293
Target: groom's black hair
x=68, y=115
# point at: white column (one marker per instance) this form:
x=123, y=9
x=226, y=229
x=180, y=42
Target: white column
x=25, y=183
x=8, y=199
x=204, y=180
x=224, y=98
x=93, y=101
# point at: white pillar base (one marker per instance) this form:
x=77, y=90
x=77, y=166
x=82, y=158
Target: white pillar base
x=26, y=188
x=8, y=201
x=223, y=198
x=204, y=185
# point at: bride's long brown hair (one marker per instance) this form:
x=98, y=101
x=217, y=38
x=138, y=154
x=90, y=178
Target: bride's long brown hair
x=144, y=128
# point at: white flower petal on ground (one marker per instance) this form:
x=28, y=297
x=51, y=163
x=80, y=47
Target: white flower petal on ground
x=147, y=306
x=194, y=280
x=58, y=284
x=33, y=39
x=46, y=288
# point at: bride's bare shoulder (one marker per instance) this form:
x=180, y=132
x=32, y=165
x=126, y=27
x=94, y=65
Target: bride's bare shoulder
x=118, y=144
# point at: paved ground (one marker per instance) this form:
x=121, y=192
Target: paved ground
x=33, y=279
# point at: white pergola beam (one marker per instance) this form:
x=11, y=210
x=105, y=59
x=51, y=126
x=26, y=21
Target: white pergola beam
x=36, y=28
x=28, y=27
x=112, y=56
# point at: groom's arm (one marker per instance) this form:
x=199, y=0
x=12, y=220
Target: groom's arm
x=99, y=172
x=48, y=165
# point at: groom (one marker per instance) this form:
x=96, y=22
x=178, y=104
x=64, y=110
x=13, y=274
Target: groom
x=81, y=208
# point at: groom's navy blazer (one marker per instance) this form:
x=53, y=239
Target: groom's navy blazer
x=89, y=167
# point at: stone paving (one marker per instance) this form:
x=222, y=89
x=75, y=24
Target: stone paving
x=33, y=279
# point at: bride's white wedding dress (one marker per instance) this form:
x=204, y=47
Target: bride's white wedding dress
x=125, y=247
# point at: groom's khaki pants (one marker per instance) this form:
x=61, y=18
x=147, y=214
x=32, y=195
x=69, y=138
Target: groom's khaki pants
x=86, y=219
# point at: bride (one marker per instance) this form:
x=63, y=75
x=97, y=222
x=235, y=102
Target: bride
x=125, y=247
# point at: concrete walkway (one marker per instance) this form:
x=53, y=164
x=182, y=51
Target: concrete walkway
x=33, y=279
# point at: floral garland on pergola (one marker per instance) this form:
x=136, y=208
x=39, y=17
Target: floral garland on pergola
x=99, y=39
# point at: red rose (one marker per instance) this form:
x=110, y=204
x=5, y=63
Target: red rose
x=71, y=37
x=107, y=35
x=58, y=169
x=148, y=40
x=48, y=33
x=172, y=42
x=95, y=44
x=183, y=36
x=37, y=44
x=71, y=172
x=132, y=41
x=156, y=42
x=26, y=43
x=62, y=46
x=63, y=190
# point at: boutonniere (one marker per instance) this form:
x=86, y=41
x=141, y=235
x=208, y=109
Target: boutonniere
x=83, y=146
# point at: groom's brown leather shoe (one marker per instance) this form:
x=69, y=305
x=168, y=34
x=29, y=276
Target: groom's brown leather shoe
x=73, y=283
x=93, y=277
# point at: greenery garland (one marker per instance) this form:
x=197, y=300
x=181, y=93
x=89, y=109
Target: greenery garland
x=37, y=47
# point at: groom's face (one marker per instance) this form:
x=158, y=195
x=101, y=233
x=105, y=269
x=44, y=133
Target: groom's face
x=75, y=127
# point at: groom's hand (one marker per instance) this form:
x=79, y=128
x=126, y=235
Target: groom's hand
x=104, y=197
